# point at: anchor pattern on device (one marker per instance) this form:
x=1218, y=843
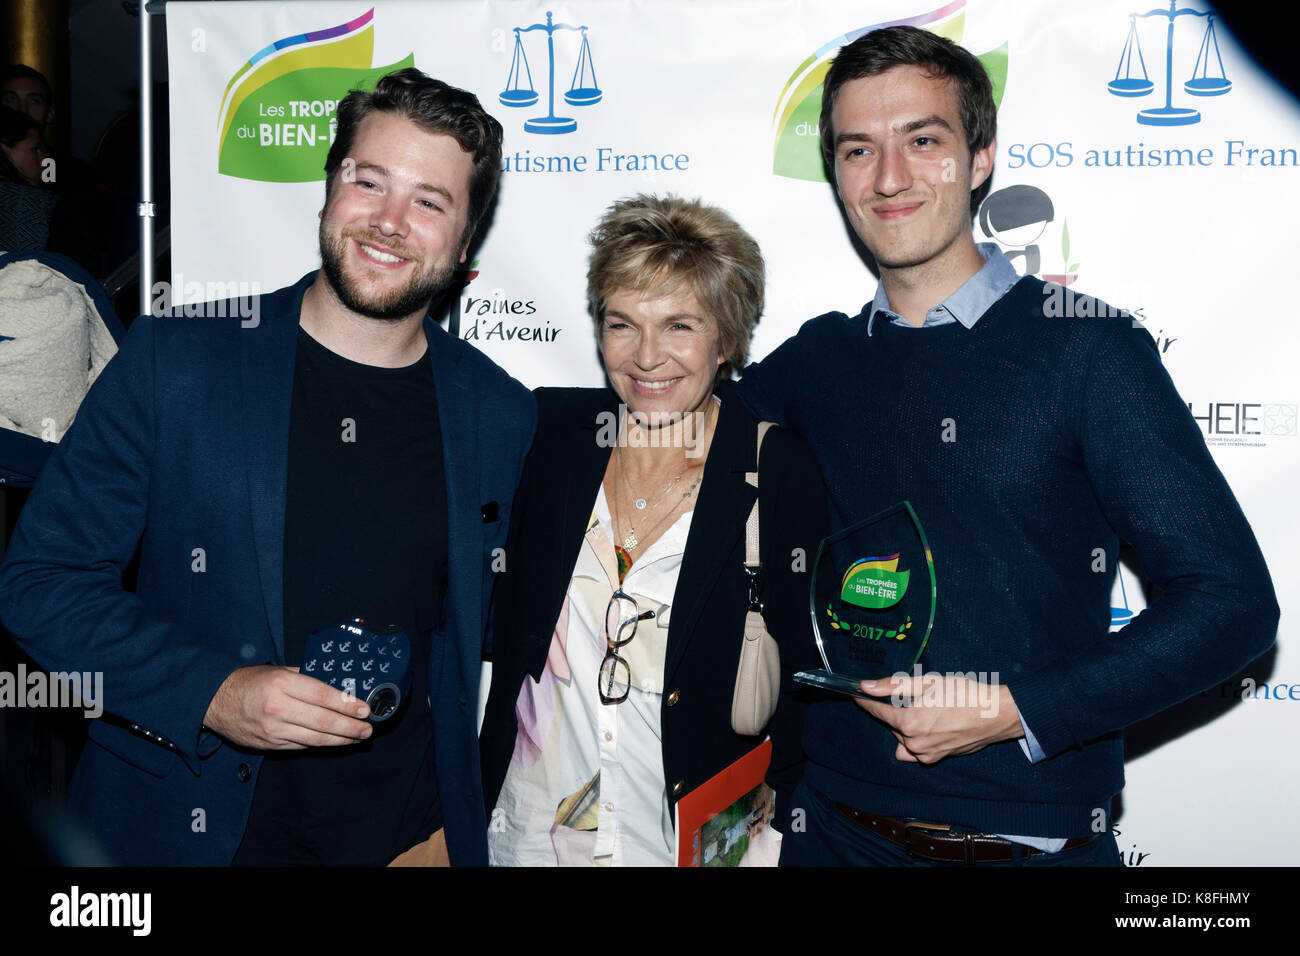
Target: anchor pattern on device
x=349, y=656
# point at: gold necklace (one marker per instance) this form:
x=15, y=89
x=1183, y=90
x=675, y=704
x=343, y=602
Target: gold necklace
x=630, y=540
x=640, y=503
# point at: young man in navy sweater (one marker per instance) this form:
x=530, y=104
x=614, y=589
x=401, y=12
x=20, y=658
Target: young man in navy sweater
x=1030, y=443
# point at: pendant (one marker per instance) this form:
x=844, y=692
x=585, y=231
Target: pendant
x=640, y=504
x=629, y=540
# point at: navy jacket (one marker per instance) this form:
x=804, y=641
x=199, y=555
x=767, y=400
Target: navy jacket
x=556, y=493
x=181, y=446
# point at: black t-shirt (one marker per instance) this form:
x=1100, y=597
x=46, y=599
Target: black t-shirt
x=365, y=536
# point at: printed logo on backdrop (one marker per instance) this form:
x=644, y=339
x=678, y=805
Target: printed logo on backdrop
x=1124, y=606
x=276, y=119
x=1157, y=41
x=796, y=148
x=496, y=316
x=1017, y=219
x=1208, y=75
x=520, y=93
x=1244, y=424
x=1130, y=856
x=1020, y=219
x=1246, y=688
x=550, y=110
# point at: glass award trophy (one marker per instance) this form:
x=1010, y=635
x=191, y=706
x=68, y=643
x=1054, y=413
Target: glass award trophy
x=872, y=601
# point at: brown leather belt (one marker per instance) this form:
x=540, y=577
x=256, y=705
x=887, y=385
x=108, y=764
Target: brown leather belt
x=936, y=841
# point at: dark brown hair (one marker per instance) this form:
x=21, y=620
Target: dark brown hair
x=434, y=106
x=879, y=50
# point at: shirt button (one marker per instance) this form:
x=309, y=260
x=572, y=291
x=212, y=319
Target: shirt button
x=678, y=787
x=243, y=773
x=608, y=807
x=608, y=735
x=672, y=698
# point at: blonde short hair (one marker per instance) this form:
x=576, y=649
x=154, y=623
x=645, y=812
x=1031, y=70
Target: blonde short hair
x=652, y=243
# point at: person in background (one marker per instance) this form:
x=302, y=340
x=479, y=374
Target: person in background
x=28, y=91
x=21, y=150
x=25, y=205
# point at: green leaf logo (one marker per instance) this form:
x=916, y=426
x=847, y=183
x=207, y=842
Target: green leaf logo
x=796, y=146
x=874, y=583
x=276, y=120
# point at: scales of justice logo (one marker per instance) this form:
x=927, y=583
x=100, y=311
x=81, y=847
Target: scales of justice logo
x=1203, y=82
x=520, y=93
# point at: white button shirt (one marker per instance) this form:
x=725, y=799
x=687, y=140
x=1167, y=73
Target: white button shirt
x=586, y=781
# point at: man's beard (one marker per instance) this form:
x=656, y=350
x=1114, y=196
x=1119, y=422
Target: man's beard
x=388, y=306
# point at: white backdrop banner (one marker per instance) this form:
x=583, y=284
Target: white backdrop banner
x=1165, y=185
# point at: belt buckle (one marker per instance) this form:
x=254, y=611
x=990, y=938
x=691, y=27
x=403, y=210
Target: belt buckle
x=909, y=827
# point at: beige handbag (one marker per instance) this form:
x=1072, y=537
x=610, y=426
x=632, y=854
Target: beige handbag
x=758, y=678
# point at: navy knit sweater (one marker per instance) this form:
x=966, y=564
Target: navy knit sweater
x=1029, y=446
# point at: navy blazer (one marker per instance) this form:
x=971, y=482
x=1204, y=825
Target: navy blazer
x=182, y=446
x=556, y=494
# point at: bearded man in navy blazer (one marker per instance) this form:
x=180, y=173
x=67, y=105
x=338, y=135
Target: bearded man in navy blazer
x=336, y=456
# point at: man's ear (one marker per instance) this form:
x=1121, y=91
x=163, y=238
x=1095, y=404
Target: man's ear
x=981, y=165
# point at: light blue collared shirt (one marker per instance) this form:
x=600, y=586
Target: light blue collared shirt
x=975, y=296
x=972, y=299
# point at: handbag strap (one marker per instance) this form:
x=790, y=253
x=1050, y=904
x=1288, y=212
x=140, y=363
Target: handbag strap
x=753, y=563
